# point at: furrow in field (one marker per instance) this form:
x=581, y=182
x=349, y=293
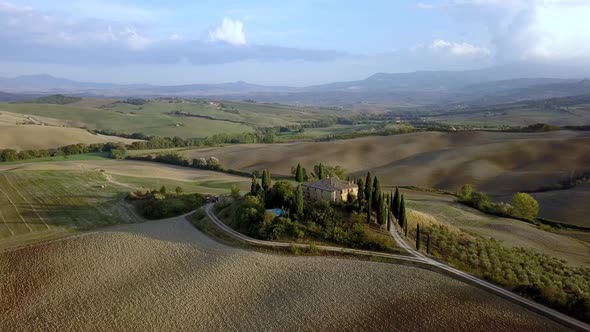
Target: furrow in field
x=26, y=201
x=15, y=209
x=6, y=227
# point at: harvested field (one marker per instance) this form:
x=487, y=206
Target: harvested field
x=492, y=161
x=564, y=205
x=510, y=232
x=166, y=275
x=32, y=137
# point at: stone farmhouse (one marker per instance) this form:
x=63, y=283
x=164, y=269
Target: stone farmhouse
x=330, y=189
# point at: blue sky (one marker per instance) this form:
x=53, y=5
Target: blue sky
x=282, y=42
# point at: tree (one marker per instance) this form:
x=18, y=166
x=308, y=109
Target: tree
x=369, y=194
x=418, y=237
x=298, y=203
x=479, y=200
x=321, y=171
x=118, y=153
x=163, y=190
x=381, y=211
x=388, y=219
x=200, y=163
x=299, y=176
x=428, y=243
x=395, y=207
x=266, y=182
x=178, y=190
x=281, y=194
x=525, y=206
x=361, y=194
x=213, y=163
x=465, y=192
x=9, y=155
x=234, y=191
x=376, y=193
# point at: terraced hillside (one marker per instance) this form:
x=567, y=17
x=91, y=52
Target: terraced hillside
x=166, y=275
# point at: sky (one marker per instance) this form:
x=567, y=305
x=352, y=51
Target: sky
x=292, y=43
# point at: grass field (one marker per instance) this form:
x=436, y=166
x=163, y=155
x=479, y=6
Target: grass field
x=166, y=275
x=510, y=232
x=75, y=157
x=155, y=118
x=39, y=201
x=40, y=204
x=521, y=117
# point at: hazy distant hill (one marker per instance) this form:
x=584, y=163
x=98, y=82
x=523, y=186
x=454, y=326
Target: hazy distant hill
x=507, y=83
x=9, y=97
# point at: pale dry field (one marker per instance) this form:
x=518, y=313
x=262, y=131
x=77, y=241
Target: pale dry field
x=132, y=168
x=166, y=276
x=33, y=137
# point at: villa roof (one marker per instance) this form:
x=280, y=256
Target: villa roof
x=330, y=184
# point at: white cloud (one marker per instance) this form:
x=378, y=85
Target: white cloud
x=230, y=31
x=459, y=49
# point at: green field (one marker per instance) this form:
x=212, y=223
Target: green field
x=45, y=204
x=42, y=204
x=196, y=118
x=75, y=157
x=203, y=187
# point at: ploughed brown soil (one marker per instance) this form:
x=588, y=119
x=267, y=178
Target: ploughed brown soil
x=165, y=275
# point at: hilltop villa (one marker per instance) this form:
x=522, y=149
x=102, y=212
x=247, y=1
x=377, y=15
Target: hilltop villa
x=329, y=189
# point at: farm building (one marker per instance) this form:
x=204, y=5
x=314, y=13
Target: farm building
x=329, y=189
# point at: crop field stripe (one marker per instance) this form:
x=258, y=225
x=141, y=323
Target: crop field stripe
x=6, y=224
x=17, y=211
x=24, y=199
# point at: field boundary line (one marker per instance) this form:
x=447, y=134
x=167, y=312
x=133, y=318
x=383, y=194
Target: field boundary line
x=17, y=211
x=23, y=197
x=6, y=224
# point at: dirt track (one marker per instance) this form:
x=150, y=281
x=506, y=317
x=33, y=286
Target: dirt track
x=165, y=275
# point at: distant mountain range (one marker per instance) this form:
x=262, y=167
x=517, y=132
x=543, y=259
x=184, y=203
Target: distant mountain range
x=508, y=83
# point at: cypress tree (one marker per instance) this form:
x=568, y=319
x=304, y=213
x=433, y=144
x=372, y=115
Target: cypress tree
x=369, y=193
x=299, y=174
x=376, y=193
x=298, y=204
x=381, y=212
x=428, y=243
x=321, y=172
x=254, y=184
x=396, y=204
x=388, y=219
x=361, y=194
x=266, y=182
x=418, y=237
